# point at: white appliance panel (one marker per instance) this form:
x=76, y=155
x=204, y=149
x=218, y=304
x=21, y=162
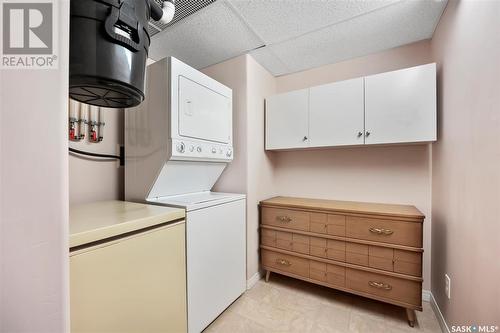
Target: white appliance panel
x=216, y=267
x=203, y=113
x=198, y=200
x=159, y=160
x=179, y=177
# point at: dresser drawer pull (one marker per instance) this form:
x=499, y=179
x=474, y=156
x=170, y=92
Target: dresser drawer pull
x=283, y=262
x=284, y=219
x=380, y=285
x=380, y=231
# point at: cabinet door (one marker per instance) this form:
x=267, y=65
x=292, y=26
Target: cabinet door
x=336, y=114
x=400, y=106
x=287, y=120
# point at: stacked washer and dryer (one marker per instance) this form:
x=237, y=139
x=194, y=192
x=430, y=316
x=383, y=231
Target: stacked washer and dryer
x=177, y=144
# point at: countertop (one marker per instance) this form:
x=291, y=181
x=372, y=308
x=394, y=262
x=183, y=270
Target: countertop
x=104, y=219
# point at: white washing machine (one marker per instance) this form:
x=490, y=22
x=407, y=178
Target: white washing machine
x=177, y=144
x=216, y=250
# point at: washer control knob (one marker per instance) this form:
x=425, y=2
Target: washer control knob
x=229, y=153
x=181, y=147
x=198, y=149
x=214, y=150
x=191, y=148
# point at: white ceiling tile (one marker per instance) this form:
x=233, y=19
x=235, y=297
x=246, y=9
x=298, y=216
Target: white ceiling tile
x=270, y=61
x=392, y=26
x=211, y=35
x=278, y=20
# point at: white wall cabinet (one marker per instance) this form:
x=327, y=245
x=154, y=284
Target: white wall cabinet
x=400, y=106
x=388, y=108
x=287, y=120
x=336, y=113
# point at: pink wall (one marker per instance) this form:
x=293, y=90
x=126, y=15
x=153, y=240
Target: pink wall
x=466, y=164
x=396, y=174
x=233, y=73
x=400, y=57
x=34, y=201
x=392, y=174
x=251, y=170
x=94, y=180
x=260, y=176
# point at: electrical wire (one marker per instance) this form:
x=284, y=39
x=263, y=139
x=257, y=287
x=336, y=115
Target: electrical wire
x=81, y=152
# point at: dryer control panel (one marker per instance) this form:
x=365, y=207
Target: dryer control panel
x=203, y=151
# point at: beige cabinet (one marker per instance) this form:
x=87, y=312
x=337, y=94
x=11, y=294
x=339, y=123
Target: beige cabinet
x=132, y=284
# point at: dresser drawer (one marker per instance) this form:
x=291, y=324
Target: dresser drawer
x=330, y=224
x=335, y=250
x=300, y=243
x=381, y=263
x=381, y=258
x=285, y=218
x=407, y=262
x=284, y=240
x=385, y=231
x=268, y=237
x=356, y=254
x=285, y=263
x=327, y=248
x=318, y=247
x=317, y=270
x=389, y=287
x=331, y=274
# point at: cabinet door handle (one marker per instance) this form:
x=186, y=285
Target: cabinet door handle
x=304, y=138
x=284, y=219
x=283, y=262
x=360, y=134
x=380, y=285
x=381, y=231
x=367, y=133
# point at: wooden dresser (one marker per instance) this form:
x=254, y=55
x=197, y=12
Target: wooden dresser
x=371, y=250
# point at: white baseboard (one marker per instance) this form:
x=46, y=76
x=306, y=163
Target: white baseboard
x=254, y=279
x=439, y=314
x=426, y=295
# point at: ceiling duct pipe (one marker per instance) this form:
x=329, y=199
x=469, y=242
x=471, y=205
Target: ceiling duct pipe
x=109, y=44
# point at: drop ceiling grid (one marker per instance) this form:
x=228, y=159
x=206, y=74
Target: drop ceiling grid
x=270, y=61
x=300, y=34
x=403, y=23
x=211, y=35
x=278, y=21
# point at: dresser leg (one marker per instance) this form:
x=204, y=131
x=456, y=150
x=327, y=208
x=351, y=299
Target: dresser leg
x=268, y=273
x=410, y=314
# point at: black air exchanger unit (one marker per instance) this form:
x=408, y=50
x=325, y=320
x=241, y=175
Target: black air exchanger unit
x=109, y=43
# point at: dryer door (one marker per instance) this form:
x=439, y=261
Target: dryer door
x=203, y=113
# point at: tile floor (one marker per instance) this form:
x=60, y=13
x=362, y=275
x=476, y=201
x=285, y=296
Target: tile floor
x=289, y=305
